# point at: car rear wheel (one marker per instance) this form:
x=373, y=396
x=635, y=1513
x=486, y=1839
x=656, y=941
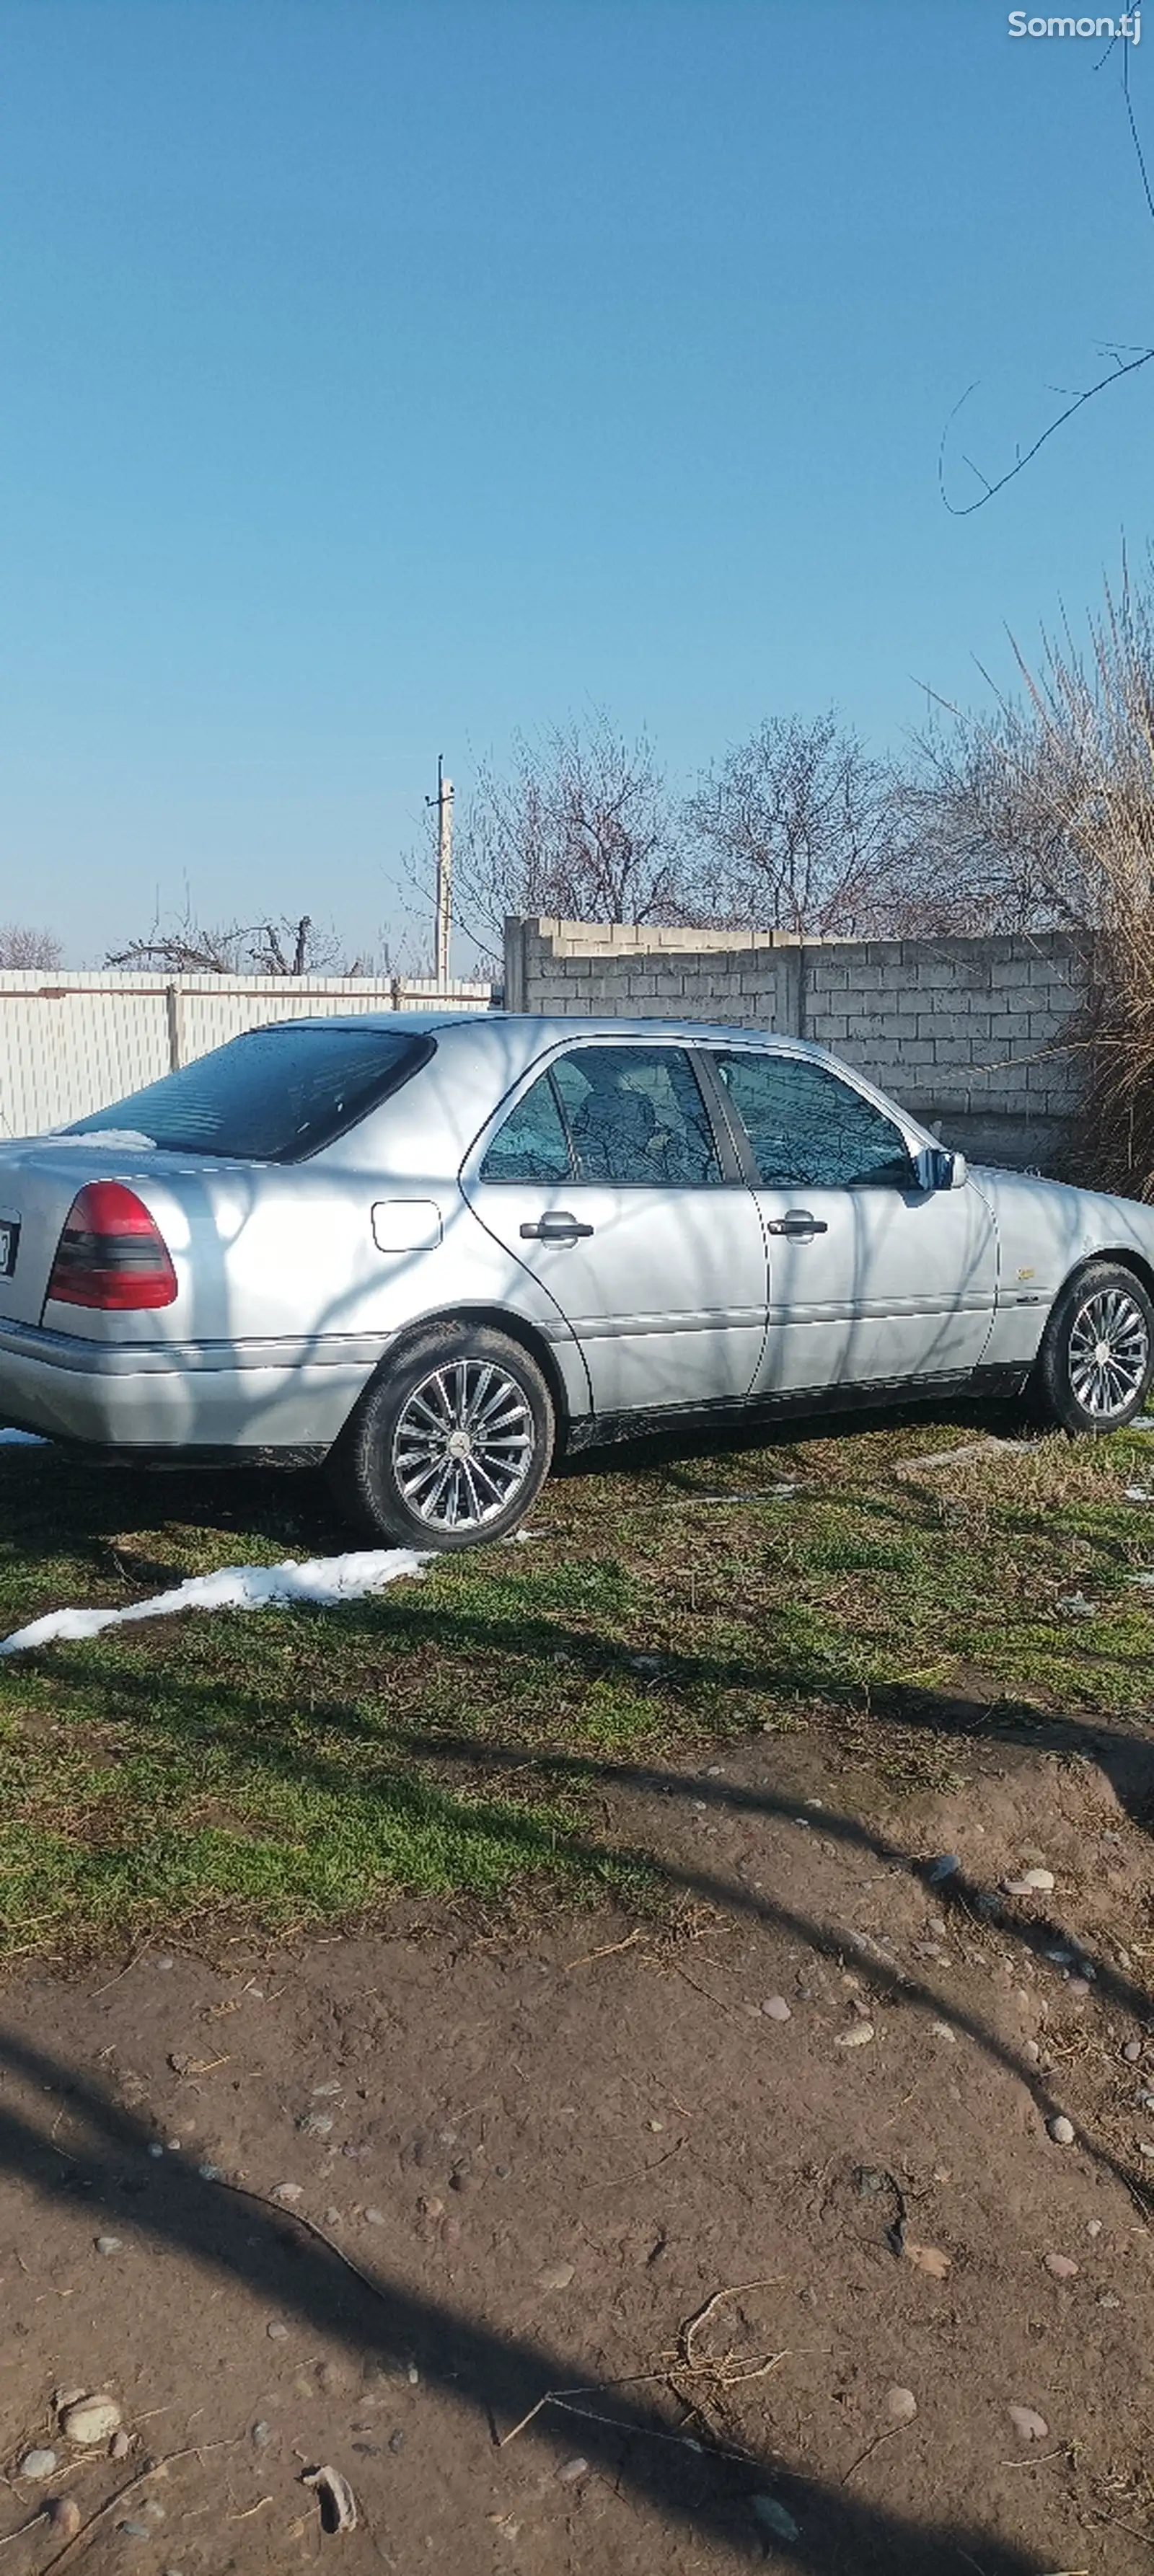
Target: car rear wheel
x=451, y=1446
x=1097, y=1358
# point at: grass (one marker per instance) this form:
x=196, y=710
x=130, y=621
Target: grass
x=292, y=1767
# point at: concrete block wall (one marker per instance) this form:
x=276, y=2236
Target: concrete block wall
x=968, y=1034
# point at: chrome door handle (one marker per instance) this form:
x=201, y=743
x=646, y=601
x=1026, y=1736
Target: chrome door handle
x=798, y=1225
x=555, y=1227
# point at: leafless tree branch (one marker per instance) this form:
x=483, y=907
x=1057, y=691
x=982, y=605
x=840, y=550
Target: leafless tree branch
x=1090, y=393
x=284, y=948
x=26, y=949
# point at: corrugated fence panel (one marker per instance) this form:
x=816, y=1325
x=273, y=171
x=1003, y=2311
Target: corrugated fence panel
x=80, y=1041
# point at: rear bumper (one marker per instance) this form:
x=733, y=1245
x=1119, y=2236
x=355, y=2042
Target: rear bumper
x=220, y=1396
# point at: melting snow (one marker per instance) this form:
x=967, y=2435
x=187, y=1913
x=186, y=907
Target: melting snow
x=323, y=1579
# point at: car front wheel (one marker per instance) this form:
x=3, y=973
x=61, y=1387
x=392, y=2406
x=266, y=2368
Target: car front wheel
x=451, y=1445
x=1097, y=1358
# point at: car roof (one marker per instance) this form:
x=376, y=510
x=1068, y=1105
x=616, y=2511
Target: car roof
x=545, y=1027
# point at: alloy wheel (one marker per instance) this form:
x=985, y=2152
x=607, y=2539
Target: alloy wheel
x=1109, y=1354
x=463, y=1445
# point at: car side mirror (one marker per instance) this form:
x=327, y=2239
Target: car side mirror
x=939, y=1169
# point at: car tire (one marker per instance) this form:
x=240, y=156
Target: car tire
x=1096, y=1363
x=449, y=1447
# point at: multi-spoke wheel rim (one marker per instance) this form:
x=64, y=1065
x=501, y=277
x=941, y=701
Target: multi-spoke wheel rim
x=1109, y=1354
x=464, y=1445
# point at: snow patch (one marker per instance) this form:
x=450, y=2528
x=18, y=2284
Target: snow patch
x=322, y=1579
x=22, y=1440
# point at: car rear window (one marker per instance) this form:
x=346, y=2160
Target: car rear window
x=273, y=1096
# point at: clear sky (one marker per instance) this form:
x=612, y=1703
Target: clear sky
x=381, y=376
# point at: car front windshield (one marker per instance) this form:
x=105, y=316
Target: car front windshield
x=274, y=1095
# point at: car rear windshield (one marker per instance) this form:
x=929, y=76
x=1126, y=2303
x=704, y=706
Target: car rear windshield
x=272, y=1096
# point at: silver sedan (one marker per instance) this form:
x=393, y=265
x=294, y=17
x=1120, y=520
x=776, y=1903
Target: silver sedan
x=436, y=1252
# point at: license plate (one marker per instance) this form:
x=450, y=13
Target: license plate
x=9, y=1245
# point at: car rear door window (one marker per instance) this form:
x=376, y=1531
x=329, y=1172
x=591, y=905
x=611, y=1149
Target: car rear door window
x=634, y=1116
x=533, y=1144
x=637, y=1117
x=807, y=1129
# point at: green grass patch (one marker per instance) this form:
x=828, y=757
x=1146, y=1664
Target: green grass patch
x=458, y=1737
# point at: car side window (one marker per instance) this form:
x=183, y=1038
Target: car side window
x=809, y=1130
x=533, y=1144
x=636, y=1116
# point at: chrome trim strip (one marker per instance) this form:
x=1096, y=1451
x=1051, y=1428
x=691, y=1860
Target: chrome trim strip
x=163, y=1359
x=724, y=1319
x=856, y=1310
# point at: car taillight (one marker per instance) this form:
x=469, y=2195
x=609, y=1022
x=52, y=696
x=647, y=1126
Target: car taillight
x=111, y=1254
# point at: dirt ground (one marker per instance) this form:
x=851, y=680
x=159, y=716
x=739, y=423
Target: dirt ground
x=547, y=2147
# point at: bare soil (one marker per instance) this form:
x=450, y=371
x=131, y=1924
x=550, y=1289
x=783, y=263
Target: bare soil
x=557, y=2142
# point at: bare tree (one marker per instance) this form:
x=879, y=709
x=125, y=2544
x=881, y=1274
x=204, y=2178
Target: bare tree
x=284, y=947
x=1049, y=806
x=798, y=830
x=981, y=849
x=26, y=949
x=581, y=826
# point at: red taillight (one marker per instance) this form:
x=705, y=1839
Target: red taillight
x=111, y=1254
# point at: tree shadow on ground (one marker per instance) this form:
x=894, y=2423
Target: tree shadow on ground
x=631, y=2436
x=250, y=1728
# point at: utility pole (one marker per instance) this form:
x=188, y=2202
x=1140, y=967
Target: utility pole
x=443, y=800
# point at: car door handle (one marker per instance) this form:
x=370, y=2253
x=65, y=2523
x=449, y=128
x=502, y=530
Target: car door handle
x=798, y=1225
x=555, y=1227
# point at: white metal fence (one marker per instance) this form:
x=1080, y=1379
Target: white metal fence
x=71, y=1043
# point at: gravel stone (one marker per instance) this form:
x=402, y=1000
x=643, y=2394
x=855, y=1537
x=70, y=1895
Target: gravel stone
x=1062, y=2266
x=92, y=2420
x=777, y=2009
x=109, y=2244
x=1028, y=2424
x=572, y=2470
x=901, y=2405
x=276, y=2332
x=772, y=2516
x=1132, y=2051
x=556, y=2276
x=1061, y=2130
x=37, y=2464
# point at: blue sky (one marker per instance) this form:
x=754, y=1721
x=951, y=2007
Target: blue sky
x=381, y=376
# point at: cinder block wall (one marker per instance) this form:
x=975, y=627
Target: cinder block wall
x=965, y=1033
